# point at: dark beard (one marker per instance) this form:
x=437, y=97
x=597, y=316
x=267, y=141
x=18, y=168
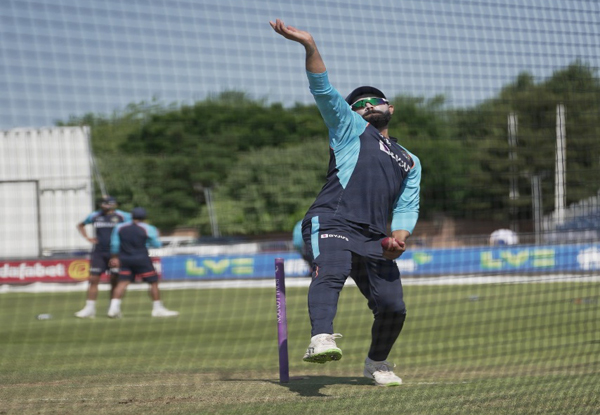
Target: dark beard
x=378, y=119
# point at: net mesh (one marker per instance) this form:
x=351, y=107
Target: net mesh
x=202, y=114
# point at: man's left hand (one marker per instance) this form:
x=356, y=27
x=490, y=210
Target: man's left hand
x=394, y=248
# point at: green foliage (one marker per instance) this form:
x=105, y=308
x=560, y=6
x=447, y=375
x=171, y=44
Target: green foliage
x=265, y=163
x=199, y=146
x=268, y=190
x=423, y=128
x=124, y=174
x=110, y=132
x=484, y=130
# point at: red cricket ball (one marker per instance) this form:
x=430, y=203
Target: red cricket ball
x=388, y=243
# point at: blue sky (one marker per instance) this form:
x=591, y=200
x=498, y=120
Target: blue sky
x=69, y=57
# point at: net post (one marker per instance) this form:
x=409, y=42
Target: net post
x=284, y=371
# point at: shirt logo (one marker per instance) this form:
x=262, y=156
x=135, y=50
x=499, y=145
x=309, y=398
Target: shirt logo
x=332, y=235
x=104, y=225
x=401, y=162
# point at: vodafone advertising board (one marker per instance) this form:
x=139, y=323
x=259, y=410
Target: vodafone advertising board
x=64, y=270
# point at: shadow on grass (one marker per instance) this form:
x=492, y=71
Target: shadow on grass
x=312, y=385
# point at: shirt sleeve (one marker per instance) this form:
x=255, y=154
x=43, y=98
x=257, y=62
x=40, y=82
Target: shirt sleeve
x=125, y=215
x=406, y=209
x=90, y=218
x=344, y=125
x=153, y=240
x=297, y=236
x=115, y=241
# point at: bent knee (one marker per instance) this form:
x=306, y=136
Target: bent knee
x=394, y=306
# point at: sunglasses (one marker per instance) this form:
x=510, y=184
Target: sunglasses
x=361, y=103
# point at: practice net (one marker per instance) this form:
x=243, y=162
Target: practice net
x=200, y=113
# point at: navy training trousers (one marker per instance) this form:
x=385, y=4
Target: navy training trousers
x=341, y=250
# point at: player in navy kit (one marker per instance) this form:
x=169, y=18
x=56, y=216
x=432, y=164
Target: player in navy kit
x=129, y=252
x=103, y=221
x=371, y=179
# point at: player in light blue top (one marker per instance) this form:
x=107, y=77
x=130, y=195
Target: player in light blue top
x=129, y=244
x=371, y=181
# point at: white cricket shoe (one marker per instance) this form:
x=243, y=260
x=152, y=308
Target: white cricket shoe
x=163, y=312
x=114, y=313
x=381, y=373
x=323, y=349
x=86, y=312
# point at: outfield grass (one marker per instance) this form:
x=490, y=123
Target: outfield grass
x=466, y=349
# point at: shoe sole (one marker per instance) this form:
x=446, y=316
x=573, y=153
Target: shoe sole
x=369, y=376
x=85, y=316
x=387, y=385
x=324, y=357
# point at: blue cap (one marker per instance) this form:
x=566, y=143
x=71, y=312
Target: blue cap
x=138, y=213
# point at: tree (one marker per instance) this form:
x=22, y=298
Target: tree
x=269, y=189
x=195, y=147
x=266, y=163
x=484, y=128
x=425, y=129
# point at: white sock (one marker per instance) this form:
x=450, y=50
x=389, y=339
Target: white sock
x=90, y=304
x=157, y=304
x=115, y=304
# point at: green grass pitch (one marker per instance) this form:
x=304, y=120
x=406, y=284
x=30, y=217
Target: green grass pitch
x=466, y=349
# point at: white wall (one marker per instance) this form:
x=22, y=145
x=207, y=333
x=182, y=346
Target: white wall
x=58, y=158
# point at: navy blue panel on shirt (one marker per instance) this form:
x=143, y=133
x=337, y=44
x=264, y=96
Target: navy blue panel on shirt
x=133, y=238
x=374, y=182
x=103, y=225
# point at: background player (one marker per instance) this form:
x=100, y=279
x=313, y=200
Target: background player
x=129, y=251
x=103, y=220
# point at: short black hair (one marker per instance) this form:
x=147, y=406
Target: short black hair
x=138, y=213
